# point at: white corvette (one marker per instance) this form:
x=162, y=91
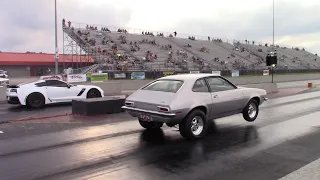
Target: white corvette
x=39, y=93
x=4, y=82
x=3, y=74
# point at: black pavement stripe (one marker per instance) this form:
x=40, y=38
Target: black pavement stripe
x=212, y=162
x=97, y=138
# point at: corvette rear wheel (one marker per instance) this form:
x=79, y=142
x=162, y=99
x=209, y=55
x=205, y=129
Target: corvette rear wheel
x=35, y=100
x=93, y=93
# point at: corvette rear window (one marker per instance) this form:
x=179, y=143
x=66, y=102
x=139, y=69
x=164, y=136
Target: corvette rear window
x=164, y=85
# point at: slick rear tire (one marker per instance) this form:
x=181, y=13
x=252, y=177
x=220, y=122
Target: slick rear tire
x=194, y=126
x=35, y=100
x=251, y=111
x=151, y=125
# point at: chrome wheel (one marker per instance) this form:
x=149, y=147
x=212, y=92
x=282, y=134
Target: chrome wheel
x=252, y=110
x=197, y=125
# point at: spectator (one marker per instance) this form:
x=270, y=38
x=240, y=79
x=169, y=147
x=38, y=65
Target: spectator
x=63, y=22
x=175, y=33
x=69, y=23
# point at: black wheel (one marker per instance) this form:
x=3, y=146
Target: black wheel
x=93, y=93
x=35, y=100
x=194, y=126
x=151, y=125
x=251, y=111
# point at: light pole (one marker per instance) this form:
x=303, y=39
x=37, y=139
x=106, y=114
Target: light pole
x=273, y=25
x=56, y=38
x=272, y=70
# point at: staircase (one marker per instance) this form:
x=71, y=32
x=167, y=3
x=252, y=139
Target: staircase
x=84, y=46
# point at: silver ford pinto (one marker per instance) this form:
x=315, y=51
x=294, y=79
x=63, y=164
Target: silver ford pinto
x=191, y=101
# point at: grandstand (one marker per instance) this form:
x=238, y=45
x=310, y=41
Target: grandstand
x=123, y=50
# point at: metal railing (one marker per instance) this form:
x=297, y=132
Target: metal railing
x=157, y=74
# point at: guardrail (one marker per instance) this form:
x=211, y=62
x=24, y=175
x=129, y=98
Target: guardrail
x=118, y=75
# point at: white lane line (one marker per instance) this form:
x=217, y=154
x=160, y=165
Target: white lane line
x=1, y=132
x=307, y=172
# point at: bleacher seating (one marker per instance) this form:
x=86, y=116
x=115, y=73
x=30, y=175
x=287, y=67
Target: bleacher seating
x=120, y=50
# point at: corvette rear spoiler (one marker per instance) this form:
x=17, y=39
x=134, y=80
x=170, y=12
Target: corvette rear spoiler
x=12, y=86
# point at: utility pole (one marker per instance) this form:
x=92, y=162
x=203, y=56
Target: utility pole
x=273, y=26
x=56, y=39
x=272, y=67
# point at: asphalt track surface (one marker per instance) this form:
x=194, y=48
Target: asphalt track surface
x=282, y=140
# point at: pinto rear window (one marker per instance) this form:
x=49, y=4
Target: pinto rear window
x=164, y=85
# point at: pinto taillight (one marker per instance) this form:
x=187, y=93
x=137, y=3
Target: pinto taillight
x=163, y=109
x=129, y=104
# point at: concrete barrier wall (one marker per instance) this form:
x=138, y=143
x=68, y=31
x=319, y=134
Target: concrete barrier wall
x=111, y=88
x=118, y=86
x=242, y=80
x=133, y=84
x=269, y=87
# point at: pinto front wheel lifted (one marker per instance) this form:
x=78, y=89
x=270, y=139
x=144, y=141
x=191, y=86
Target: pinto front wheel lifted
x=251, y=111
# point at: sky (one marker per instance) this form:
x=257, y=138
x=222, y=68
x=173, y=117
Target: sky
x=28, y=25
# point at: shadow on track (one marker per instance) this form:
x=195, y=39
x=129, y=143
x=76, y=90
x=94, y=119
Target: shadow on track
x=178, y=153
x=19, y=108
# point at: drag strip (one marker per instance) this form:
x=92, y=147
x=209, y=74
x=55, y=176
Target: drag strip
x=126, y=151
x=15, y=112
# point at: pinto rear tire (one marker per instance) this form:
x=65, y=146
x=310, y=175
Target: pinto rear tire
x=251, y=111
x=194, y=126
x=35, y=100
x=151, y=125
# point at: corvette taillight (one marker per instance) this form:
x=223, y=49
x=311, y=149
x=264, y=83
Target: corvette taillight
x=13, y=90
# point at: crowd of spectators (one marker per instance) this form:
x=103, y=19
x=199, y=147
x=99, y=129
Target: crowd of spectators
x=160, y=34
x=105, y=29
x=204, y=49
x=94, y=28
x=150, y=57
x=123, y=39
x=64, y=23
x=182, y=53
x=198, y=61
x=217, y=40
x=148, y=33
x=122, y=31
x=191, y=38
x=125, y=61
